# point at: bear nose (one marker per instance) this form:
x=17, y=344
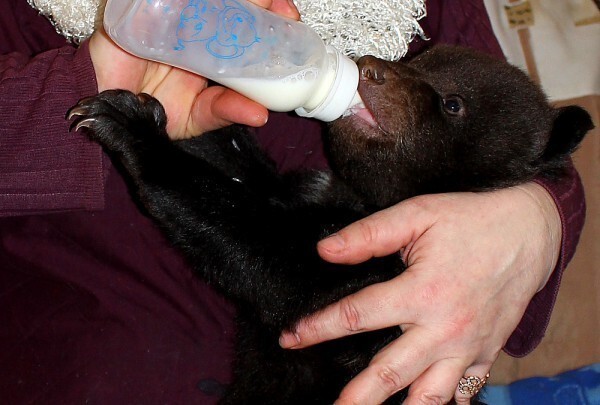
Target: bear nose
x=372, y=69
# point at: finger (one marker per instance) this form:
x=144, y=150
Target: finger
x=481, y=371
x=379, y=234
x=232, y=107
x=374, y=307
x=286, y=8
x=437, y=384
x=262, y=3
x=217, y=107
x=391, y=370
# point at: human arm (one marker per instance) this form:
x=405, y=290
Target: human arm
x=44, y=168
x=452, y=327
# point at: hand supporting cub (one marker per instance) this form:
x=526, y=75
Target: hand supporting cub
x=473, y=267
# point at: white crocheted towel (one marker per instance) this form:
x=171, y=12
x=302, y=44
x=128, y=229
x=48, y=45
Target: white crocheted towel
x=73, y=19
x=365, y=27
x=381, y=28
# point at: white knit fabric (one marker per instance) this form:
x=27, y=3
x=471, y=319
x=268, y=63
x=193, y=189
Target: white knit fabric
x=74, y=19
x=381, y=28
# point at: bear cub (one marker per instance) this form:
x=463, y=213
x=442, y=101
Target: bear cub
x=450, y=119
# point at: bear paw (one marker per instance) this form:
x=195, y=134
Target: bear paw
x=118, y=118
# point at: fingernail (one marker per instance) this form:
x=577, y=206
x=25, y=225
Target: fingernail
x=334, y=243
x=289, y=340
x=264, y=118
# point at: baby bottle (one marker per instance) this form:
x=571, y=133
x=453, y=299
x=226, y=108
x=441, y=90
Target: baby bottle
x=276, y=61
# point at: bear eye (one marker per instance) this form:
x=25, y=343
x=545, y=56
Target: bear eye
x=453, y=105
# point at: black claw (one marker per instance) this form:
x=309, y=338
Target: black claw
x=83, y=123
x=79, y=116
x=77, y=111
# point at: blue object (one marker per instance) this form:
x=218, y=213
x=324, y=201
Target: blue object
x=577, y=387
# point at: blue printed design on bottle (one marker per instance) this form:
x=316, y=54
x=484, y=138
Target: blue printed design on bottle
x=227, y=31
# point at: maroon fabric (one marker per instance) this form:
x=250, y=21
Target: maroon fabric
x=463, y=23
x=54, y=170
x=569, y=196
x=96, y=307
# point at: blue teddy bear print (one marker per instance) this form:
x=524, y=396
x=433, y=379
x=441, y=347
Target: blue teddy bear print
x=227, y=31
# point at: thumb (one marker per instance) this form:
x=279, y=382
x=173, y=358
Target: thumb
x=380, y=234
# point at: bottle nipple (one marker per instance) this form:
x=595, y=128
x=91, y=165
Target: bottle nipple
x=342, y=90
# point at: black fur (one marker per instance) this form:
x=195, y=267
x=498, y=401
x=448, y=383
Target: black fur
x=450, y=120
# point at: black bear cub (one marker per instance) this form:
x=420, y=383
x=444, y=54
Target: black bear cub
x=449, y=120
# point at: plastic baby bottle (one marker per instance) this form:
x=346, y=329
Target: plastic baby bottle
x=276, y=61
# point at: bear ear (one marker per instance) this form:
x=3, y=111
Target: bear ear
x=570, y=126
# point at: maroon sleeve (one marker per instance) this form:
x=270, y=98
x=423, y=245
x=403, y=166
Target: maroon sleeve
x=569, y=197
x=43, y=166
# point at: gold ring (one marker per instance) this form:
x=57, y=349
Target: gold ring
x=472, y=384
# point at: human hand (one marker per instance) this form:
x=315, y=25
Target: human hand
x=192, y=107
x=474, y=260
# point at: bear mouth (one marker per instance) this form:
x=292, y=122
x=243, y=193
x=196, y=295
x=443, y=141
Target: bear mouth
x=363, y=112
x=361, y=117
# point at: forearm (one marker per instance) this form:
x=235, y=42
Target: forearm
x=568, y=195
x=43, y=166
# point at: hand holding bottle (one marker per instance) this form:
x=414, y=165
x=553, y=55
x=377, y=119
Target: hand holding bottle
x=281, y=63
x=192, y=107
